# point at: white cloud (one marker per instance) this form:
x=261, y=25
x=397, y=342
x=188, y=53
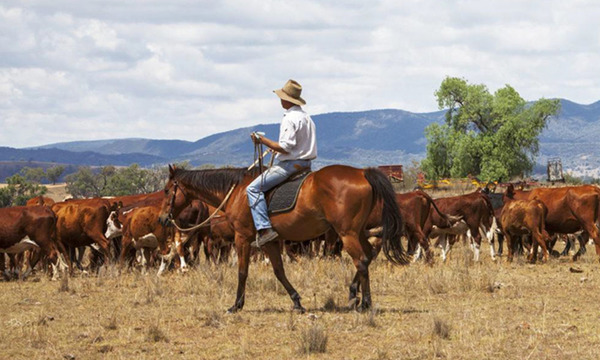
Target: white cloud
x=72, y=70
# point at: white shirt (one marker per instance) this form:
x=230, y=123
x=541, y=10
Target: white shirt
x=297, y=135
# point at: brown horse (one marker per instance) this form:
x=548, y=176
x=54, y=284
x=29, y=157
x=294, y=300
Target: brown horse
x=337, y=196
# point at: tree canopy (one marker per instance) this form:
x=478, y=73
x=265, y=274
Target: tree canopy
x=112, y=181
x=18, y=190
x=493, y=136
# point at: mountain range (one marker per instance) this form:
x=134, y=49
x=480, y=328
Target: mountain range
x=365, y=138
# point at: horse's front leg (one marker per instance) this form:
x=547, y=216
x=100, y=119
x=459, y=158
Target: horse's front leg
x=353, y=299
x=242, y=246
x=273, y=251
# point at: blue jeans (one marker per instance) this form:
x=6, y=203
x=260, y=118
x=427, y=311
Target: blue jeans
x=269, y=179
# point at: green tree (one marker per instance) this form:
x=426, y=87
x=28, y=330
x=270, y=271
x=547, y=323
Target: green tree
x=19, y=190
x=112, y=181
x=127, y=181
x=494, y=136
x=54, y=173
x=85, y=183
x=34, y=175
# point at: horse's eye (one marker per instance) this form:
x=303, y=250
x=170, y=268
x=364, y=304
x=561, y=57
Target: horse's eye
x=166, y=191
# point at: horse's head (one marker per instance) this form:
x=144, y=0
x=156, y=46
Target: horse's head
x=175, y=199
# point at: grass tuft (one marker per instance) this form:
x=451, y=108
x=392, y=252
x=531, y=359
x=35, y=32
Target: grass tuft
x=156, y=334
x=313, y=340
x=214, y=319
x=330, y=304
x=441, y=329
x=112, y=323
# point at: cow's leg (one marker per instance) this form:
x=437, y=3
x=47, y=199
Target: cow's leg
x=476, y=242
x=125, y=248
x=583, y=240
x=445, y=244
x=568, y=243
x=179, y=246
x=484, y=234
x=510, y=246
x=417, y=253
x=532, y=257
x=500, y=237
x=423, y=243
x=242, y=246
x=144, y=259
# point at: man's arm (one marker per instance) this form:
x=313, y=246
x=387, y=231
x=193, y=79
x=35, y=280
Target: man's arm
x=269, y=143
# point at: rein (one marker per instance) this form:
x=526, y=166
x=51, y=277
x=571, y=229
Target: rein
x=206, y=222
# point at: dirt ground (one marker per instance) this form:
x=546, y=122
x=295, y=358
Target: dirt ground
x=453, y=310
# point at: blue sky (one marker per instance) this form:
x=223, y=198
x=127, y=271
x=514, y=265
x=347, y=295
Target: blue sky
x=177, y=69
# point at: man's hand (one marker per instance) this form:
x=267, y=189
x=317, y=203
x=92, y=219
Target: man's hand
x=256, y=137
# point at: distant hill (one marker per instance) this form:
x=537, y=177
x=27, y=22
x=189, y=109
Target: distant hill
x=373, y=137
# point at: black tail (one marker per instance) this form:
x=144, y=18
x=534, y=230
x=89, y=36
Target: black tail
x=390, y=216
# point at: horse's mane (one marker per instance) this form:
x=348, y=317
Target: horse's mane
x=212, y=180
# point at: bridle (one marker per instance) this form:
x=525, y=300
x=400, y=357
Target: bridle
x=214, y=214
x=175, y=187
x=206, y=222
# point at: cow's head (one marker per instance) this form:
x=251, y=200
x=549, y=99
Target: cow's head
x=114, y=228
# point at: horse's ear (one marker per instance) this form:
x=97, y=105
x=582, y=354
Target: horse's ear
x=171, y=170
x=510, y=191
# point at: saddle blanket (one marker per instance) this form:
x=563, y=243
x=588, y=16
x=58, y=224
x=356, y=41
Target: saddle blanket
x=283, y=197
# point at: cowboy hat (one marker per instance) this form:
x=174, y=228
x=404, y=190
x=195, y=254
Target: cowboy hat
x=291, y=92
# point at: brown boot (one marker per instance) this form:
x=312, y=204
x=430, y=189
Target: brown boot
x=264, y=236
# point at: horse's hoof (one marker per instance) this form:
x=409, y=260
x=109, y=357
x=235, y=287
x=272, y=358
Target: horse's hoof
x=232, y=310
x=363, y=308
x=353, y=303
x=299, y=309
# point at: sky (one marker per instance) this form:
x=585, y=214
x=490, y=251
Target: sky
x=182, y=69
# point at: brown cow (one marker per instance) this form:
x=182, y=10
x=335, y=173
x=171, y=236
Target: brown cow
x=525, y=217
x=415, y=208
x=142, y=231
x=189, y=241
x=40, y=200
x=27, y=227
x=476, y=212
x=570, y=209
x=83, y=223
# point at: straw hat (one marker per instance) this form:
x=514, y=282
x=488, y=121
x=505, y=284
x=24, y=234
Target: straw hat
x=291, y=92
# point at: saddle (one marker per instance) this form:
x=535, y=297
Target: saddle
x=283, y=197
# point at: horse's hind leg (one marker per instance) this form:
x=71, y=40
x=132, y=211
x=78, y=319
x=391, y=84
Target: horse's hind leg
x=359, y=251
x=353, y=299
x=274, y=253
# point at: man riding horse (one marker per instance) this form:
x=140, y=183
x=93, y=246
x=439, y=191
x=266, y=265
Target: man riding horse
x=296, y=147
x=336, y=198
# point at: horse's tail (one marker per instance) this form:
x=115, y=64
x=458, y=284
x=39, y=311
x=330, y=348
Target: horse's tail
x=390, y=216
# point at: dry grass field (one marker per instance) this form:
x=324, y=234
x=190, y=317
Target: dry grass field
x=57, y=192
x=457, y=310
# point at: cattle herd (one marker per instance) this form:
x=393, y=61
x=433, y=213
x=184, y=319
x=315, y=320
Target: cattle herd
x=53, y=237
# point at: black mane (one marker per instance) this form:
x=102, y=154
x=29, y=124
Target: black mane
x=211, y=180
